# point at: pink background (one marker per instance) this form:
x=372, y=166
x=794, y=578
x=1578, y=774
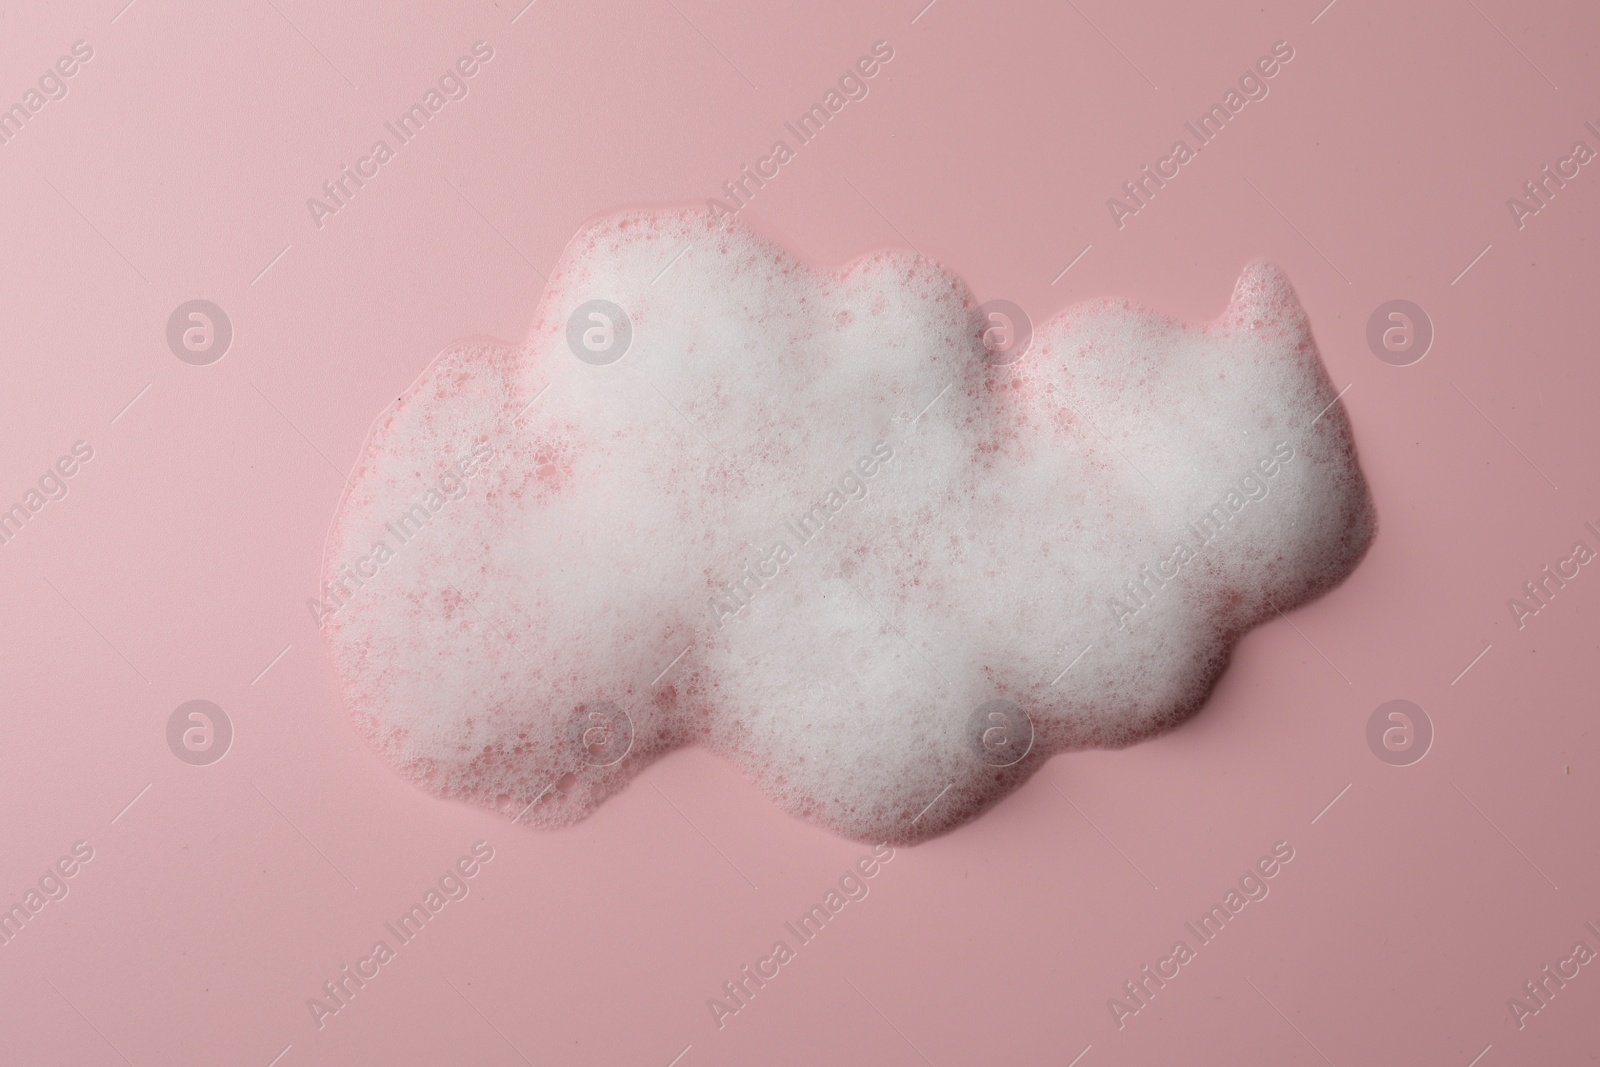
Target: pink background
x=179, y=565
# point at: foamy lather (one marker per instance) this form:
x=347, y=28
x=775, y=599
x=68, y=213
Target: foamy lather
x=955, y=533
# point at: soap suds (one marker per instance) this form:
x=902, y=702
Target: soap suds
x=805, y=522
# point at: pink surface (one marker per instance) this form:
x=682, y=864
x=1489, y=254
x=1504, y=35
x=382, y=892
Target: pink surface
x=177, y=566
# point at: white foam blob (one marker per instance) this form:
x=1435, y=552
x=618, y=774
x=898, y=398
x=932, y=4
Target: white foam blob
x=600, y=581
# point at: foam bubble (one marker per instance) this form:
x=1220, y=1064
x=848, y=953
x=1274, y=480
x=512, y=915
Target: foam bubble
x=803, y=521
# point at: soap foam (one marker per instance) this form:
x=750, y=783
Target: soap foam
x=1029, y=534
